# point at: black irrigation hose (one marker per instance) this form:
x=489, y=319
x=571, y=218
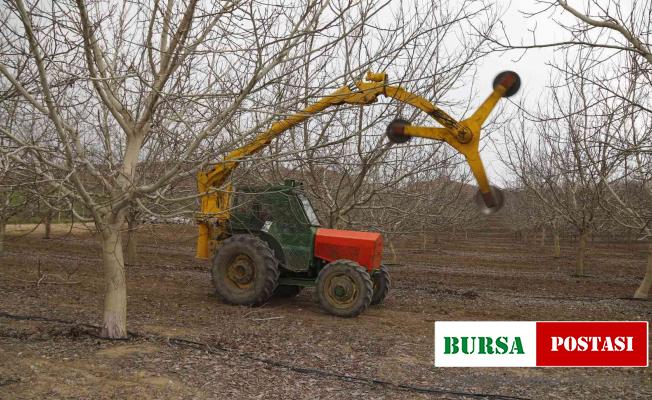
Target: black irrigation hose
x=177, y=341
x=43, y=319
x=462, y=294
x=8, y=381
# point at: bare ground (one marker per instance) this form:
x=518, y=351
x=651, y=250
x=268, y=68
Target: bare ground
x=188, y=345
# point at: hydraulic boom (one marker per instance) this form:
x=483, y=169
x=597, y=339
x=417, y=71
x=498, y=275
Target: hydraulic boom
x=463, y=136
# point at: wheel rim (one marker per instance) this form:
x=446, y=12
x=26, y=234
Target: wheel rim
x=241, y=272
x=341, y=291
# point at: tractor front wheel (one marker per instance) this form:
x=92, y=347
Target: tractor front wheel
x=344, y=288
x=381, y=284
x=244, y=271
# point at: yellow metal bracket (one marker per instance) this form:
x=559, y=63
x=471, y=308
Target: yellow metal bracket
x=463, y=136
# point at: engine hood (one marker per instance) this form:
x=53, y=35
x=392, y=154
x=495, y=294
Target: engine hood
x=365, y=248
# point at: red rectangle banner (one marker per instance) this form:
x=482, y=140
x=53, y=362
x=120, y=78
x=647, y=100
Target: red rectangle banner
x=592, y=344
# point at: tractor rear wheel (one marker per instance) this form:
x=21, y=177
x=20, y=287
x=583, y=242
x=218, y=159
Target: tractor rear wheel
x=344, y=288
x=287, y=291
x=381, y=284
x=244, y=271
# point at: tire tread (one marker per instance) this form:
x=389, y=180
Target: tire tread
x=272, y=271
x=366, y=278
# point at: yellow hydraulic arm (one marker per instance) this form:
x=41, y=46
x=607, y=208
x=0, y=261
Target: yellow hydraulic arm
x=464, y=136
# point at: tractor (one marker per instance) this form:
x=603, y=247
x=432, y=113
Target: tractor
x=268, y=242
x=277, y=247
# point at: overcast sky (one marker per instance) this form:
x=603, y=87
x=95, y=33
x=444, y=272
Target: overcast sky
x=531, y=67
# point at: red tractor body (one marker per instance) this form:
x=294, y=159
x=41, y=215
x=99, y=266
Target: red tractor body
x=365, y=248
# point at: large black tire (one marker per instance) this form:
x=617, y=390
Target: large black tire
x=381, y=284
x=287, y=291
x=344, y=288
x=244, y=271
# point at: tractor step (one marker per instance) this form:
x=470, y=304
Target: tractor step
x=303, y=282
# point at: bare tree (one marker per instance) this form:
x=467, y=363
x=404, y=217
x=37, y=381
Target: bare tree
x=13, y=194
x=12, y=199
x=121, y=101
x=614, y=39
x=125, y=84
x=630, y=190
x=567, y=160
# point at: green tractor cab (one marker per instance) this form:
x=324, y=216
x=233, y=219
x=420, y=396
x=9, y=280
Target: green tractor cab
x=277, y=247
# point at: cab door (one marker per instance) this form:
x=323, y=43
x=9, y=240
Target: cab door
x=292, y=231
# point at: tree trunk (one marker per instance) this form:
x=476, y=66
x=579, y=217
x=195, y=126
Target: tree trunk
x=115, y=296
x=393, y=250
x=543, y=237
x=581, y=252
x=2, y=236
x=644, y=289
x=556, y=247
x=130, y=257
x=48, y=225
x=424, y=238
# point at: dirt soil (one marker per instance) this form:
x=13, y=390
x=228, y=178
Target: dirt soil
x=187, y=344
